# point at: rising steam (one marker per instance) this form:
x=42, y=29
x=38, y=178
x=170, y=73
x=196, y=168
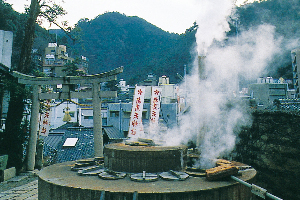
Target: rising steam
x=216, y=113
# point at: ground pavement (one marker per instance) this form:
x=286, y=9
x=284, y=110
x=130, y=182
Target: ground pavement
x=23, y=187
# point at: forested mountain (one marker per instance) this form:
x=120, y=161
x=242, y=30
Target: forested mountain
x=285, y=16
x=112, y=40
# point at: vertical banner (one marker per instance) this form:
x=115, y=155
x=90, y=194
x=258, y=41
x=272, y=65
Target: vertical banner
x=154, y=108
x=136, y=126
x=45, y=120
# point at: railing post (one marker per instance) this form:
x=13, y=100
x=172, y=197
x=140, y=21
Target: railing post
x=102, y=196
x=135, y=195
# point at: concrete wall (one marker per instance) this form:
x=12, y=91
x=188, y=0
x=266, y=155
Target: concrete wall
x=113, y=117
x=168, y=114
x=266, y=93
x=272, y=146
x=6, y=41
x=57, y=113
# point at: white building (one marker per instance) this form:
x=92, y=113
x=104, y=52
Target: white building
x=6, y=41
x=122, y=85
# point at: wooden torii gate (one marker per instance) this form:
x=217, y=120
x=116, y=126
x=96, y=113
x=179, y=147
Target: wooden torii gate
x=96, y=94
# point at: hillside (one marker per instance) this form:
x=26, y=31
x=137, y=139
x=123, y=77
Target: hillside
x=112, y=40
x=285, y=16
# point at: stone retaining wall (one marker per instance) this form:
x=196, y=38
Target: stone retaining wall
x=272, y=146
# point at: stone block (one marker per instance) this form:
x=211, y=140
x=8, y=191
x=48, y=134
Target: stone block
x=8, y=174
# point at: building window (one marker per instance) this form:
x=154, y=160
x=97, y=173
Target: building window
x=125, y=133
x=144, y=115
x=114, y=113
x=104, y=121
x=126, y=115
x=88, y=117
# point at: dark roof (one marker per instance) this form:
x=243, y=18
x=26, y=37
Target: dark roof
x=113, y=133
x=84, y=148
x=51, y=146
x=53, y=140
x=65, y=126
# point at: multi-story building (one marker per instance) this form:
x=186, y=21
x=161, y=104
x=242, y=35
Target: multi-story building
x=56, y=57
x=6, y=41
x=150, y=81
x=265, y=91
x=122, y=86
x=169, y=91
x=118, y=115
x=296, y=72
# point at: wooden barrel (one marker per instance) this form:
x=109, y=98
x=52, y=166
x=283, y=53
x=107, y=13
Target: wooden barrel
x=136, y=159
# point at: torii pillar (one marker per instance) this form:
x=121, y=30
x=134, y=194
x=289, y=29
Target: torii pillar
x=34, y=123
x=97, y=121
x=96, y=94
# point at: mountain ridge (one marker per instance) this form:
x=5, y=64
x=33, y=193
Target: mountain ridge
x=131, y=42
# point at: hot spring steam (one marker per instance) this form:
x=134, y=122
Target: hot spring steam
x=216, y=113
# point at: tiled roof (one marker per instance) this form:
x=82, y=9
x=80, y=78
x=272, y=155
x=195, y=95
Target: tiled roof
x=65, y=126
x=113, y=133
x=53, y=140
x=51, y=145
x=84, y=148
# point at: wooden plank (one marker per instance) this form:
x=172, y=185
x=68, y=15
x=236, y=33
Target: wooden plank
x=223, y=171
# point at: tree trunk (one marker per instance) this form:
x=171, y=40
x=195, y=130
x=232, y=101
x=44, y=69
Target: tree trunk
x=14, y=134
x=25, y=57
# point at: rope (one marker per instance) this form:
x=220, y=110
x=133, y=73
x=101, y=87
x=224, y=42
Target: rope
x=79, y=104
x=68, y=100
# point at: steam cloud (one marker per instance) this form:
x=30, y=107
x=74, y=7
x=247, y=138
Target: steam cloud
x=215, y=113
x=212, y=22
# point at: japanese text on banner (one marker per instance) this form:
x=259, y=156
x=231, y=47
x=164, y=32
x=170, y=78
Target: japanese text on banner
x=155, y=108
x=45, y=121
x=136, y=126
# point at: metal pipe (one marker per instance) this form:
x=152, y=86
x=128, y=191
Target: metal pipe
x=272, y=196
x=185, y=94
x=135, y=195
x=256, y=189
x=241, y=181
x=120, y=117
x=102, y=197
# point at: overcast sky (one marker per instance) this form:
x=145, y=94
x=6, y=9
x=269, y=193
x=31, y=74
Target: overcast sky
x=170, y=15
